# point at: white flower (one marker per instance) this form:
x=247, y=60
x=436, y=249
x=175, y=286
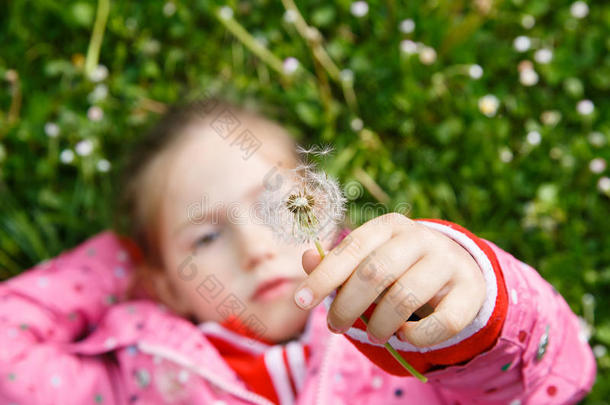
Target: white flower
x=543, y=55
x=290, y=16
x=359, y=8
x=290, y=65
x=534, y=138
x=506, y=155
x=98, y=94
x=99, y=73
x=151, y=47
x=528, y=77
x=84, y=147
x=103, y=165
x=522, y=43
x=599, y=351
x=301, y=209
x=579, y=9
x=489, y=104
x=51, y=129
x=528, y=21
x=585, y=107
x=427, y=55
x=407, y=46
x=555, y=153
x=568, y=161
x=95, y=113
x=225, y=12
x=597, y=165
x=169, y=8
x=346, y=75
x=261, y=40
x=551, y=117
x=357, y=124
x=604, y=184
x=475, y=71
x=407, y=26
x=597, y=139
x=66, y=156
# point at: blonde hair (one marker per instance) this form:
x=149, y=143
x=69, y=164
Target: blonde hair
x=142, y=179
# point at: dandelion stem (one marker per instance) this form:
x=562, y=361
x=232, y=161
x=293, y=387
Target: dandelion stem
x=320, y=248
x=399, y=358
x=387, y=345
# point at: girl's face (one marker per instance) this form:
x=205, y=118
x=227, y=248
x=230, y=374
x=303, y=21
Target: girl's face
x=215, y=263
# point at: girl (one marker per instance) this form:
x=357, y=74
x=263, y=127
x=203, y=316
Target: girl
x=199, y=303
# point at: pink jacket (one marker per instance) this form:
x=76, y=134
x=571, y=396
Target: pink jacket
x=67, y=336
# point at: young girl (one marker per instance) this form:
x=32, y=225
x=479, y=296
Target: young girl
x=200, y=303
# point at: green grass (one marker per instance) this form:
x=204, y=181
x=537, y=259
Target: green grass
x=424, y=140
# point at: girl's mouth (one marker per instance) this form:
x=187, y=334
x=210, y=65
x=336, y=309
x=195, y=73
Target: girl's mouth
x=273, y=288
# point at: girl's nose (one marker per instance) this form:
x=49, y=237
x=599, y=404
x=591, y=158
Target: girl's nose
x=256, y=246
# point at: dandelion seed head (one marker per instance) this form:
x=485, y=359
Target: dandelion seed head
x=315, y=150
x=308, y=205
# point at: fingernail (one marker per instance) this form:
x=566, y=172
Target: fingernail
x=304, y=297
x=373, y=338
x=331, y=327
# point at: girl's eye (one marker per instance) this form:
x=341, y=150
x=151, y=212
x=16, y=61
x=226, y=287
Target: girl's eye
x=207, y=239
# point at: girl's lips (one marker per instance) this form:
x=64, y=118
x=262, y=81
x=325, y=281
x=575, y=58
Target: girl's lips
x=273, y=288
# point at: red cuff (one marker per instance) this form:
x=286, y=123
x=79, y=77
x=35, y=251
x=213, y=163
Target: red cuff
x=473, y=340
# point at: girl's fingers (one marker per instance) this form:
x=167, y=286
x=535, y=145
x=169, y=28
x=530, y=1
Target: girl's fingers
x=341, y=261
x=311, y=258
x=455, y=311
x=412, y=290
x=376, y=272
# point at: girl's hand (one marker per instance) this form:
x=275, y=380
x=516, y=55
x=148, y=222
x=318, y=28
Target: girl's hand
x=414, y=264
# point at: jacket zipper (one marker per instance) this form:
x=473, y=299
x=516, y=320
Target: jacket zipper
x=324, y=367
x=227, y=386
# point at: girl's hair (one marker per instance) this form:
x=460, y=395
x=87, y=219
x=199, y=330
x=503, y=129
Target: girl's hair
x=141, y=179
